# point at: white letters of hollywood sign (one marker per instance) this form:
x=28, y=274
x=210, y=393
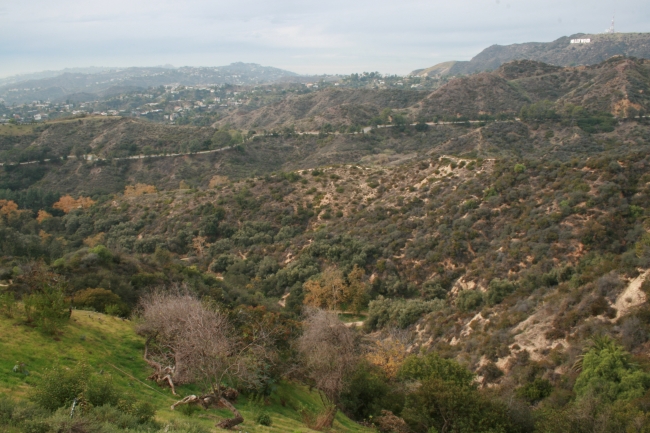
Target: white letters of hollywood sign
x=580, y=41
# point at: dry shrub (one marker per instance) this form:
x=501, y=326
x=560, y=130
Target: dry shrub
x=610, y=285
x=389, y=353
x=68, y=204
x=390, y=423
x=45, y=236
x=328, y=350
x=199, y=243
x=139, y=189
x=192, y=338
x=633, y=333
x=218, y=180
x=195, y=342
x=93, y=241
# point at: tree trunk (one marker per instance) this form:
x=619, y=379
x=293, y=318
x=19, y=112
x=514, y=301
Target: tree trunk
x=230, y=422
x=161, y=375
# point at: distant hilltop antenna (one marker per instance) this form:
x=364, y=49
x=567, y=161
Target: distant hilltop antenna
x=611, y=27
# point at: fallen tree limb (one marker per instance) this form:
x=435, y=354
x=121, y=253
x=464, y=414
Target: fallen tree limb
x=205, y=401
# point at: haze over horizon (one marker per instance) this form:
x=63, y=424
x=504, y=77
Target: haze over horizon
x=303, y=37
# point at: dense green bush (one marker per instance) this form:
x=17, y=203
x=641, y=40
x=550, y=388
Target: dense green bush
x=59, y=387
x=601, y=122
x=30, y=418
x=447, y=399
x=609, y=373
x=98, y=300
x=401, y=313
x=498, y=290
x=539, y=111
x=264, y=419
x=535, y=391
x=469, y=300
x=368, y=391
x=432, y=366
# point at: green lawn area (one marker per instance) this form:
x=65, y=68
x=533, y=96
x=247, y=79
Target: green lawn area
x=109, y=343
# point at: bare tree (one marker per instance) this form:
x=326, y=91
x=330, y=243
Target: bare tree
x=329, y=351
x=191, y=341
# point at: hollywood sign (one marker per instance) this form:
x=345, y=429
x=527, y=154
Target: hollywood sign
x=580, y=41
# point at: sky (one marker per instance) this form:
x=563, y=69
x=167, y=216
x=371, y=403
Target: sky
x=304, y=36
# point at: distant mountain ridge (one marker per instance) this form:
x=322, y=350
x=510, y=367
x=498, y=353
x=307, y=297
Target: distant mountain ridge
x=49, y=74
x=560, y=52
x=99, y=81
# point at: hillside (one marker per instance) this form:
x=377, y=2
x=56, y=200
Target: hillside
x=441, y=69
x=109, y=345
x=488, y=243
x=127, y=151
x=265, y=155
x=617, y=86
x=559, y=53
x=471, y=97
x=469, y=253
x=332, y=106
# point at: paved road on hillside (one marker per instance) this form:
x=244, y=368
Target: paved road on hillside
x=91, y=157
x=365, y=130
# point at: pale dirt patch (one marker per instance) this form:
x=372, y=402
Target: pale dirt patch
x=283, y=301
x=632, y=296
x=461, y=285
x=354, y=324
x=327, y=199
x=421, y=332
x=530, y=336
x=477, y=321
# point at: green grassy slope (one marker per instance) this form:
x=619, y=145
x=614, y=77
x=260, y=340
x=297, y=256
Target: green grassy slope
x=110, y=344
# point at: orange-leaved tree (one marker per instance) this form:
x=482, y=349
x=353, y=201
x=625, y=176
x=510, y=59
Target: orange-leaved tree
x=389, y=353
x=329, y=291
x=67, y=203
x=332, y=292
x=357, y=293
x=7, y=207
x=139, y=189
x=43, y=215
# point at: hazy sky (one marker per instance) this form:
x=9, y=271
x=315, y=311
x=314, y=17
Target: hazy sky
x=305, y=36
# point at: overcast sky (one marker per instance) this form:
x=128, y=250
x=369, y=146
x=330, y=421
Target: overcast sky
x=305, y=36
